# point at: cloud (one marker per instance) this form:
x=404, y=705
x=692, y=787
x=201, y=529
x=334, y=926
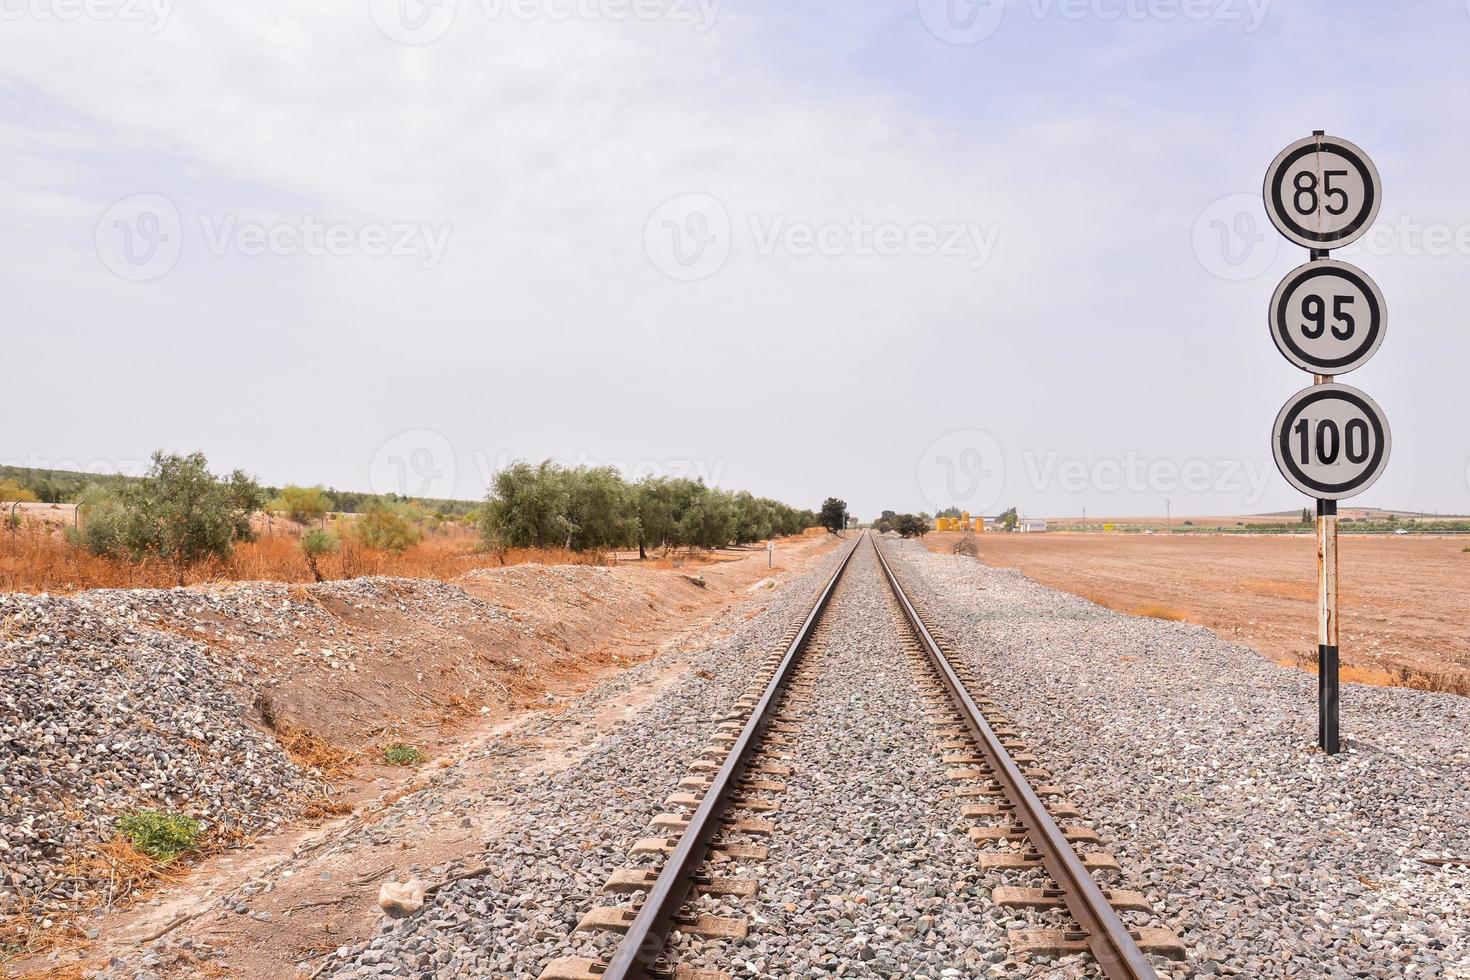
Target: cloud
x=547, y=145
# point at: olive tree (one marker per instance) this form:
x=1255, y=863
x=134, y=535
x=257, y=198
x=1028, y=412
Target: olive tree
x=178, y=512
x=834, y=514
x=527, y=507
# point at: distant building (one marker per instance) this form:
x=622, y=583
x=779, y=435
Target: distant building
x=1033, y=524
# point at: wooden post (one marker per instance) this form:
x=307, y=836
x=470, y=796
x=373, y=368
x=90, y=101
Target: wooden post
x=1327, y=619
x=1327, y=663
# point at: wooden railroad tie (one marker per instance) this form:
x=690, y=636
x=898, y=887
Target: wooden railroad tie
x=1060, y=942
x=582, y=968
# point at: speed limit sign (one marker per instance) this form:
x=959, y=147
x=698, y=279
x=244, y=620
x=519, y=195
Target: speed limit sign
x=1322, y=192
x=1328, y=317
x=1331, y=441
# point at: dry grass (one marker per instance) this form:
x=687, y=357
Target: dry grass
x=1418, y=680
x=323, y=806
x=1156, y=610
x=36, y=560
x=123, y=867
x=122, y=871
x=67, y=971
x=310, y=751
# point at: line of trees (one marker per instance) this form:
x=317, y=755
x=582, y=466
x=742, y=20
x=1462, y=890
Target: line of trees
x=69, y=486
x=547, y=505
x=182, y=514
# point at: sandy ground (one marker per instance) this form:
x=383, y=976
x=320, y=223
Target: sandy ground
x=1404, y=598
x=322, y=902
x=1161, y=521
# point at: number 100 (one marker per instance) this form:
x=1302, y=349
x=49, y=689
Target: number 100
x=1330, y=441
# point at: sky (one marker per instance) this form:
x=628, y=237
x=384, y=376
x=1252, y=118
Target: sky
x=907, y=253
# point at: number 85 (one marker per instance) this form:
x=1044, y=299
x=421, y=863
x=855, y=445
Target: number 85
x=1306, y=187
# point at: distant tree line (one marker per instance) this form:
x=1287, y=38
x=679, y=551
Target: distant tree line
x=68, y=486
x=548, y=505
x=180, y=513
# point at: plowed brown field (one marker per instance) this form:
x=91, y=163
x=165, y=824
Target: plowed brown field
x=1405, y=599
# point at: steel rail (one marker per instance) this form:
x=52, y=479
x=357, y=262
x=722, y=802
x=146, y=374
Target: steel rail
x=1108, y=938
x=642, y=946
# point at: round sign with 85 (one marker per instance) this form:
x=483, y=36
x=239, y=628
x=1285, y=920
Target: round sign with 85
x=1322, y=192
x=1328, y=317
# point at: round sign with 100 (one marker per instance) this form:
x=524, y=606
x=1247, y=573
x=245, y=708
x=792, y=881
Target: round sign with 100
x=1331, y=441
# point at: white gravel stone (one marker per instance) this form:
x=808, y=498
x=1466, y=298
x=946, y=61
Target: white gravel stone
x=1195, y=759
x=99, y=716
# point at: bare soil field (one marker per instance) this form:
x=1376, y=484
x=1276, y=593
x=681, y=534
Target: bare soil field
x=1405, y=599
x=1207, y=521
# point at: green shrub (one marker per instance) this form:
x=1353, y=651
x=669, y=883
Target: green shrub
x=319, y=541
x=178, y=512
x=11, y=491
x=303, y=505
x=103, y=521
x=315, y=543
x=912, y=526
x=402, y=755
x=386, y=526
x=162, y=836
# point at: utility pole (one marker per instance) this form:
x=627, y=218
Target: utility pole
x=1168, y=515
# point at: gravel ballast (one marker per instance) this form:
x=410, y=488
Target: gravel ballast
x=1191, y=757
x=870, y=872
x=98, y=717
x=560, y=838
x=1196, y=761
x=115, y=700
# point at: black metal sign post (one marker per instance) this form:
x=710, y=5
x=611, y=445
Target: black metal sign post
x=1330, y=441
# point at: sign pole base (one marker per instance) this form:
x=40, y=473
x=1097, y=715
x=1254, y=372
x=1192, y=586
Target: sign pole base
x=1327, y=665
x=1327, y=653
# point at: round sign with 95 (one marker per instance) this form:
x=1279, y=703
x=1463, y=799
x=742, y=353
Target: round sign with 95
x=1328, y=317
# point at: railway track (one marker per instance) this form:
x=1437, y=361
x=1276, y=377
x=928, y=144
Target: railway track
x=723, y=811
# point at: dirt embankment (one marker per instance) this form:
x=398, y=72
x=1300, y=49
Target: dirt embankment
x=334, y=671
x=1403, y=597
